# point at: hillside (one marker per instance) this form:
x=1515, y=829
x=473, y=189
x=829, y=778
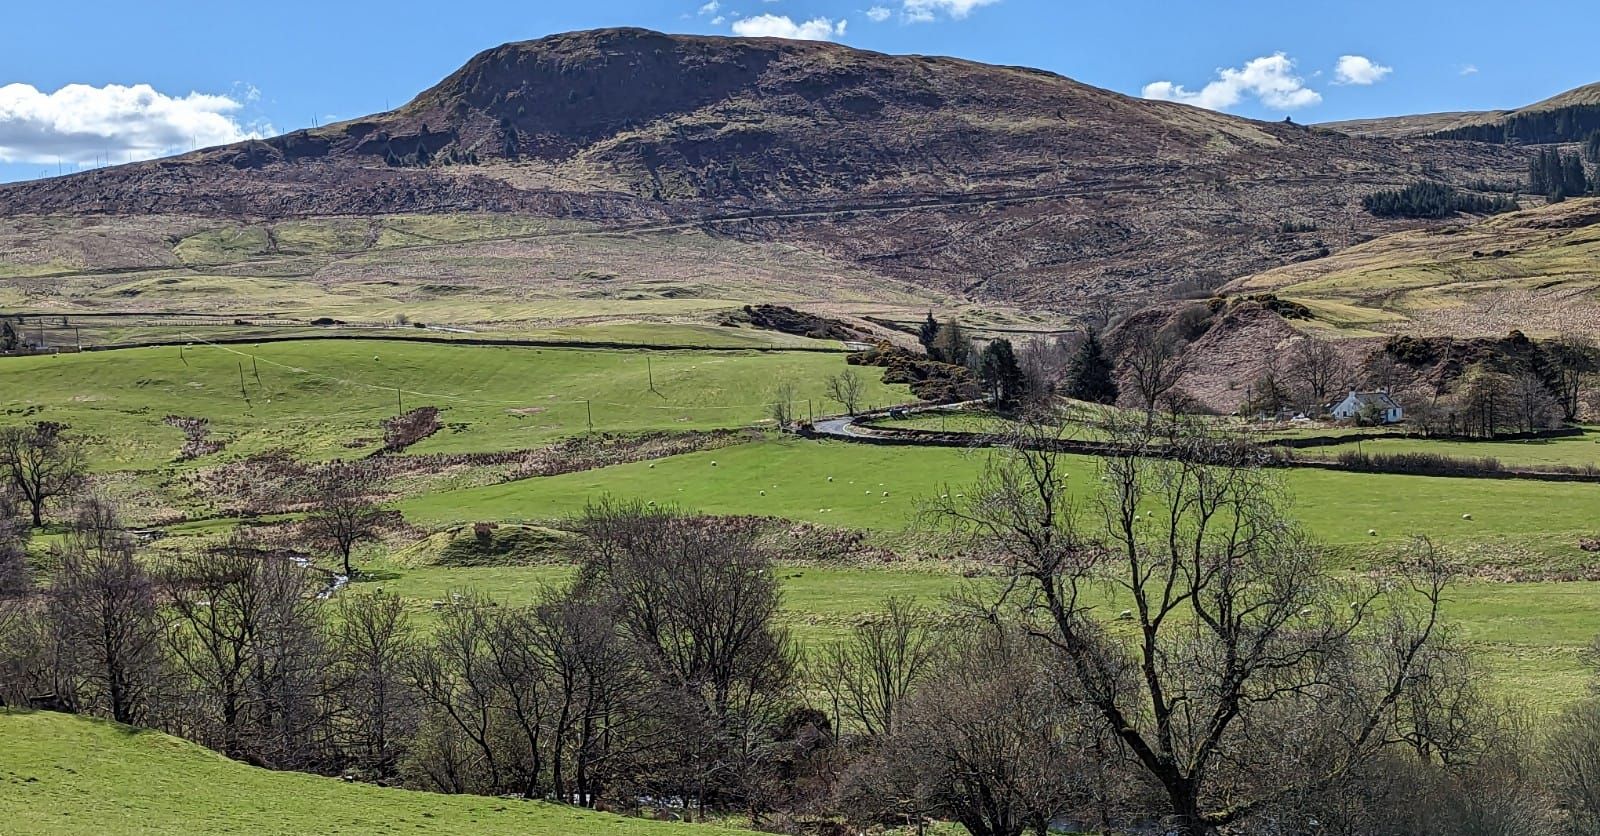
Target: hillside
x=1537, y=270
x=1564, y=117
x=73, y=775
x=994, y=183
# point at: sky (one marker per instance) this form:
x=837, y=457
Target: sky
x=120, y=81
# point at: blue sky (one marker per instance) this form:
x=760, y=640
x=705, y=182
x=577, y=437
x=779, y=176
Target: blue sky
x=121, y=80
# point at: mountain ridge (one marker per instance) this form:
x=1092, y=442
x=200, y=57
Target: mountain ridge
x=991, y=181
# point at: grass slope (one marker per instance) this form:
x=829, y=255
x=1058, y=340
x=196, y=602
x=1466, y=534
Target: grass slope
x=1536, y=270
x=71, y=775
x=326, y=399
x=1339, y=508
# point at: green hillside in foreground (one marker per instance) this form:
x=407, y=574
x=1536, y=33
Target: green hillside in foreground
x=61, y=774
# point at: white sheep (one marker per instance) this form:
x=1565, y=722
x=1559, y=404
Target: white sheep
x=1466, y=516
x=713, y=462
x=1372, y=532
x=1127, y=615
x=763, y=493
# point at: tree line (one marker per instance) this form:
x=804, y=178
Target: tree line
x=1428, y=199
x=1566, y=124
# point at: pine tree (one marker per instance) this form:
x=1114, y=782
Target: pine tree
x=928, y=332
x=1092, y=378
x=1573, y=177
x=1001, y=373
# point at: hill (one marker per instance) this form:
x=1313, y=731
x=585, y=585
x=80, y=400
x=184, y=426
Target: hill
x=1565, y=117
x=1536, y=270
x=69, y=775
x=989, y=182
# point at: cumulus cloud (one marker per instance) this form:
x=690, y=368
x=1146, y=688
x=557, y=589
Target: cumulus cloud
x=1358, y=69
x=710, y=8
x=781, y=26
x=82, y=124
x=1270, y=79
x=878, y=14
x=924, y=11
x=1470, y=69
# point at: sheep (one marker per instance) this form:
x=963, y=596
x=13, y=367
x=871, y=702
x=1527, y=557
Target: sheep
x=713, y=462
x=830, y=478
x=1372, y=532
x=885, y=493
x=1466, y=516
x=763, y=493
x=1127, y=615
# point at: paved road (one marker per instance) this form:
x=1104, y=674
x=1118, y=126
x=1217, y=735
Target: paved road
x=845, y=427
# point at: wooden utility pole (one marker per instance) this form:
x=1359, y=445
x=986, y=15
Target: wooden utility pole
x=399, y=405
x=589, y=413
x=242, y=394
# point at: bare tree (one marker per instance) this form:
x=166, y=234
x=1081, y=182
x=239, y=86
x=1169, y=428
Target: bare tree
x=698, y=601
x=782, y=410
x=371, y=638
x=1318, y=370
x=103, y=614
x=344, y=508
x=1251, y=673
x=1155, y=366
x=15, y=581
x=992, y=742
x=1573, y=750
x=870, y=674
x=1532, y=406
x=41, y=463
x=1574, y=362
x=846, y=387
x=244, y=633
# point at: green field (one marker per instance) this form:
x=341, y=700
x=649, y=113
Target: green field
x=62, y=774
x=326, y=399
x=1568, y=451
x=1340, y=508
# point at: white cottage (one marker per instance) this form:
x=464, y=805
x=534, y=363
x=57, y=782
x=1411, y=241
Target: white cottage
x=1379, y=404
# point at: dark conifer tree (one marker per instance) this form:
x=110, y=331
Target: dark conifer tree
x=1092, y=377
x=928, y=332
x=1001, y=373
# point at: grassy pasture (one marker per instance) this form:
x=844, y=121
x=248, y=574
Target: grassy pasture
x=1339, y=508
x=326, y=399
x=74, y=775
x=1571, y=451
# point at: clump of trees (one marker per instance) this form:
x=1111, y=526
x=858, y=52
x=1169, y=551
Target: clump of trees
x=1428, y=199
x=1558, y=175
x=1000, y=372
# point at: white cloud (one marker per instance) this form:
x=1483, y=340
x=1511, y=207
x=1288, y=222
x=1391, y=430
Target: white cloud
x=924, y=11
x=878, y=14
x=718, y=20
x=1270, y=79
x=83, y=124
x=780, y=26
x=710, y=8
x=1470, y=69
x=1358, y=69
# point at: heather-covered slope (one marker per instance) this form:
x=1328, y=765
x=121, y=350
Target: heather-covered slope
x=994, y=182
